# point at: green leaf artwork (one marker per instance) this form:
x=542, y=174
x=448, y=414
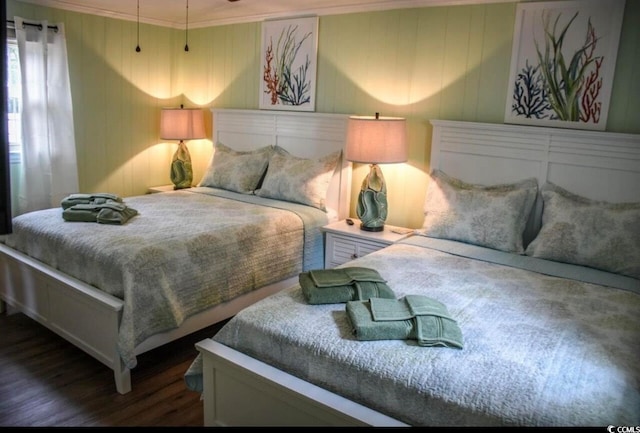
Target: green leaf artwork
x=285, y=83
x=561, y=87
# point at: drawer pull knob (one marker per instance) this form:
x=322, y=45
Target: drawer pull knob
x=354, y=256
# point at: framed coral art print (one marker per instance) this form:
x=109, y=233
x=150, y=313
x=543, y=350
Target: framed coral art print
x=288, y=64
x=563, y=62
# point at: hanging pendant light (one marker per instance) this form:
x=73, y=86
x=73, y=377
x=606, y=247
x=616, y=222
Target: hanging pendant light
x=138, y=30
x=186, y=31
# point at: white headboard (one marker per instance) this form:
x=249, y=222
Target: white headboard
x=307, y=135
x=598, y=165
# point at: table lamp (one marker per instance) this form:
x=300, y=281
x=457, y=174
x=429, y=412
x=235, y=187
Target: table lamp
x=181, y=124
x=375, y=140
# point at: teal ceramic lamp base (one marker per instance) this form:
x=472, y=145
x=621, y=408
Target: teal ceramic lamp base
x=372, y=201
x=181, y=170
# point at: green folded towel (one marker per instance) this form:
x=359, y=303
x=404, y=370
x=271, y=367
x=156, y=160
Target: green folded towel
x=344, y=276
x=410, y=306
x=333, y=286
x=96, y=198
x=413, y=317
x=109, y=212
x=108, y=215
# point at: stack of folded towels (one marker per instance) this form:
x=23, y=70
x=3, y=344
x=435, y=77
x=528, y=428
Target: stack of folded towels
x=102, y=208
x=414, y=317
x=374, y=311
x=334, y=286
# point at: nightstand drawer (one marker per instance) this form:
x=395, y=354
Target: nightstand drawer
x=341, y=249
x=345, y=242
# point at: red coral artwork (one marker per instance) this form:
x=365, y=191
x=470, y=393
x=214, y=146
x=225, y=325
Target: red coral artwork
x=564, y=56
x=591, y=105
x=288, y=64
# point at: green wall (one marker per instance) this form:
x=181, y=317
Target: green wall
x=445, y=62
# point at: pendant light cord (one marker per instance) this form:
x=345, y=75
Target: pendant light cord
x=186, y=31
x=138, y=29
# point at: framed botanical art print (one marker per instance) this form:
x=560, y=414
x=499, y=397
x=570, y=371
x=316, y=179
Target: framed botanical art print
x=563, y=62
x=288, y=64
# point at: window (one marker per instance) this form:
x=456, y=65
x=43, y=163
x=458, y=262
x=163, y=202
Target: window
x=14, y=101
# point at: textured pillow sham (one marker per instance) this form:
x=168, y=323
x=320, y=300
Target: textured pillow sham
x=491, y=216
x=586, y=232
x=236, y=171
x=299, y=180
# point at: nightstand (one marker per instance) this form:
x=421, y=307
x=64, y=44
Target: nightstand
x=161, y=188
x=344, y=242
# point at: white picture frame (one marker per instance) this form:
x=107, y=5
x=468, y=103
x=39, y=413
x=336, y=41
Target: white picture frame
x=586, y=34
x=288, y=64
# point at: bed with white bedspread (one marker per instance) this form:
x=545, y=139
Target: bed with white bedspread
x=549, y=318
x=190, y=257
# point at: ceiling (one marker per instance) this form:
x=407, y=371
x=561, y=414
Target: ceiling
x=205, y=13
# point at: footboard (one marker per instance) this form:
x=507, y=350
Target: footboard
x=79, y=313
x=89, y=318
x=240, y=391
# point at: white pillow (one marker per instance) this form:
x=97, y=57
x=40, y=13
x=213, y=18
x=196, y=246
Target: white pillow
x=492, y=216
x=236, y=171
x=586, y=232
x=299, y=180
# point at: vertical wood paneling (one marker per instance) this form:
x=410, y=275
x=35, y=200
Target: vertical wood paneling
x=449, y=62
x=407, y=29
x=624, y=111
x=494, y=67
x=428, y=62
x=216, y=52
x=192, y=66
x=126, y=47
x=142, y=125
x=455, y=63
x=253, y=65
x=474, y=60
x=226, y=53
x=245, y=69
x=92, y=169
x=341, y=59
x=326, y=69
x=230, y=86
x=114, y=98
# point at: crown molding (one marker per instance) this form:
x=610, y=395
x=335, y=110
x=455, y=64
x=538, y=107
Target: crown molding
x=380, y=5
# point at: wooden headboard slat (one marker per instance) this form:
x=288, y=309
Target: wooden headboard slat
x=598, y=165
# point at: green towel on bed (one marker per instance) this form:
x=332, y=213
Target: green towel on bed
x=333, y=286
x=105, y=213
x=96, y=198
x=414, y=317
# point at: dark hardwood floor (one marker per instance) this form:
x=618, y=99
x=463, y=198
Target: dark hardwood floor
x=45, y=381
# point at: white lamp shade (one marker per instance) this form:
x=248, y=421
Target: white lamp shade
x=376, y=140
x=182, y=124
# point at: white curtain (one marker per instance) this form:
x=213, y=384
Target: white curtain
x=49, y=169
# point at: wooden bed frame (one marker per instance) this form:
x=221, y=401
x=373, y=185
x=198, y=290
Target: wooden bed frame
x=90, y=318
x=240, y=390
